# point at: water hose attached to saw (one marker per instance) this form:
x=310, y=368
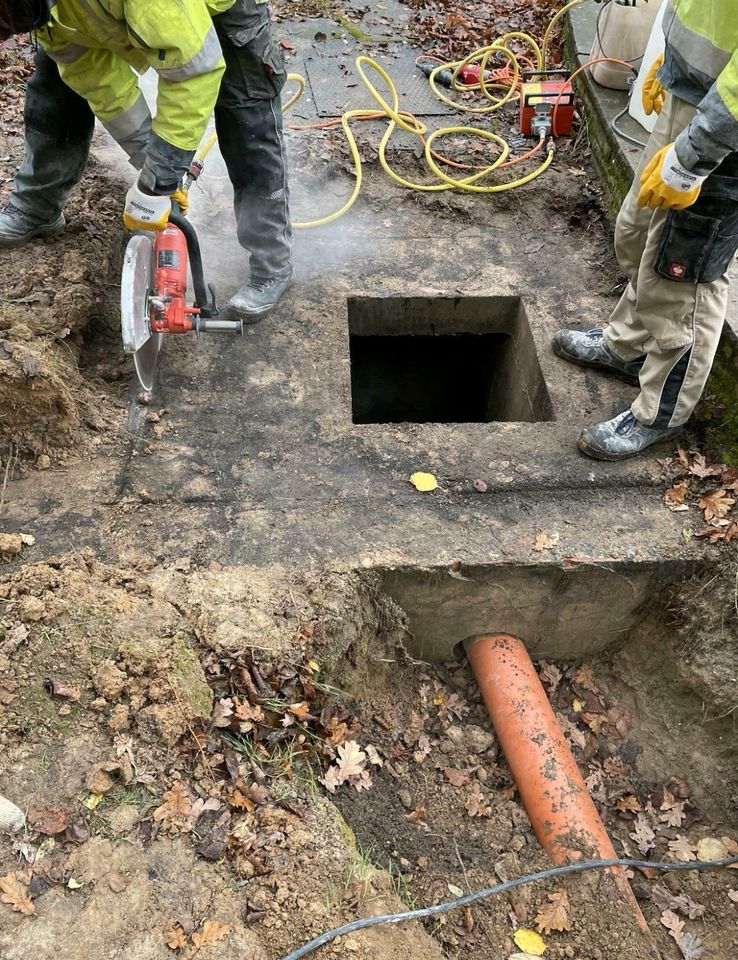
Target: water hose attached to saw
x=154, y=286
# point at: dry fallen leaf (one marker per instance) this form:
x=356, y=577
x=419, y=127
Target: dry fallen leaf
x=682, y=849
x=530, y=942
x=681, y=903
x=545, y=542
x=175, y=937
x=48, y=822
x=176, y=805
x=733, y=894
x=550, y=675
x=15, y=893
x=691, y=946
x=555, y=914
x=61, y=691
x=476, y=807
x=675, y=496
x=212, y=932
x=643, y=835
x=351, y=759
x=716, y=504
x=628, y=804
x=673, y=924
x=424, y=482
x=710, y=848
x=456, y=777
x=349, y=767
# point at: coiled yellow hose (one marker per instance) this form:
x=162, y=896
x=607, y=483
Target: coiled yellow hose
x=506, y=92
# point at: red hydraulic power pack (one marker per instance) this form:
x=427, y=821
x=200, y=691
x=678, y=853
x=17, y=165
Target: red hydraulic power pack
x=169, y=310
x=547, y=93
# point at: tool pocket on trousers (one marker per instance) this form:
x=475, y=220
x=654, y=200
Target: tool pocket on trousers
x=699, y=244
x=260, y=62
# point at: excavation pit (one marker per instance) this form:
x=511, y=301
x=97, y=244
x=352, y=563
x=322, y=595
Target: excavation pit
x=444, y=360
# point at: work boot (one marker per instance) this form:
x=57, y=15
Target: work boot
x=621, y=437
x=590, y=350
x=257, y=297
x=17, y=228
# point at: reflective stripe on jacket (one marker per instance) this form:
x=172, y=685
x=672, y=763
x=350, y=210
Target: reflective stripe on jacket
x=701, y=66
x=98, y=44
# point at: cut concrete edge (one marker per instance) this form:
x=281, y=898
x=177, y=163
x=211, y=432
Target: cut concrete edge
x=614, y=158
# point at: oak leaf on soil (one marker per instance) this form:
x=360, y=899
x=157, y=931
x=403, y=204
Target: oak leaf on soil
x=675, y=496
x=585, y=678
x=475, y=805
x=555, y=914
x=682, y=849
x=212, y=932
x=458, y=778
x=550, y=675
x=691, y=946
x=628, y=804
x=175, y=937
x=15, y=894
x=673, y=924
x=715, y=504
x=678, y=903
x=643, y=835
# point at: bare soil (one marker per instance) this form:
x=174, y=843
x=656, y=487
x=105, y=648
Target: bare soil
x=111, y=683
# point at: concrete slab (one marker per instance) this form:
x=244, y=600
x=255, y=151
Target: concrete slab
x=260, y=461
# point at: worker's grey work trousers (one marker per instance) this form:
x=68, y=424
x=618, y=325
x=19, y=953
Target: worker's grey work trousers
x=248, y=118
x=672, y=312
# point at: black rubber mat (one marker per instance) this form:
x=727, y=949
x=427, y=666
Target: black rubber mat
x=336, y=87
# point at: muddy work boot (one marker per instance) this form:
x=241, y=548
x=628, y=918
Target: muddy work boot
x=590, y=350
x=17, y=228
x=257, y=297
x=622, y=437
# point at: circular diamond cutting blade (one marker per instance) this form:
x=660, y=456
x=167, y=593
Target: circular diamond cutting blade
x=135, y=287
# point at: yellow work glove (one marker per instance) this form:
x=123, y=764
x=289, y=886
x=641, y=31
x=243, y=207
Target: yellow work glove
x=665, y=182
x=653, y=92
x=145, y=212
x=182, y=197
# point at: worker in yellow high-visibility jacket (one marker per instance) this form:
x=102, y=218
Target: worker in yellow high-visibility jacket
x=209, y=55
x=676, y=236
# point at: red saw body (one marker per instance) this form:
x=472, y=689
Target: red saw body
x=168, y=300
x=154, y=282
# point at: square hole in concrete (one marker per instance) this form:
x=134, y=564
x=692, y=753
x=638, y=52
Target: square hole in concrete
x=444, y=360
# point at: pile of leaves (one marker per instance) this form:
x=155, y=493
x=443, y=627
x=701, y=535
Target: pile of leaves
x=452, y=30
x=648, y=823
x=708, y=487
x=275, y=730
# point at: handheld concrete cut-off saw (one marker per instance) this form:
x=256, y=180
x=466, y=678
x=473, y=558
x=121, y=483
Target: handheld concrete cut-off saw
x=154, y=288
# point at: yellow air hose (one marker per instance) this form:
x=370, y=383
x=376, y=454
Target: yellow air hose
x=507, y=92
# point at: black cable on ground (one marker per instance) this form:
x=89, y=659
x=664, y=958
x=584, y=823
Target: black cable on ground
x=620, y=133
x=500, y=888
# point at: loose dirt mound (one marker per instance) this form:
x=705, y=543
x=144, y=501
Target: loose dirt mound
x=50, y=293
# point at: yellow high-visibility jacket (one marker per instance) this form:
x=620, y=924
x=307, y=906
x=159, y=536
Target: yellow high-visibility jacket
x=101, y=45
x=701, y=66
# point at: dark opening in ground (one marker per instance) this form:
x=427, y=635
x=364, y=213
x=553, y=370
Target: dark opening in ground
x=444, y=360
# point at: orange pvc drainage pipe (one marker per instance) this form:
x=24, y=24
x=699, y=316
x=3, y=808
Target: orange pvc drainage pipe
x=551, y=787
